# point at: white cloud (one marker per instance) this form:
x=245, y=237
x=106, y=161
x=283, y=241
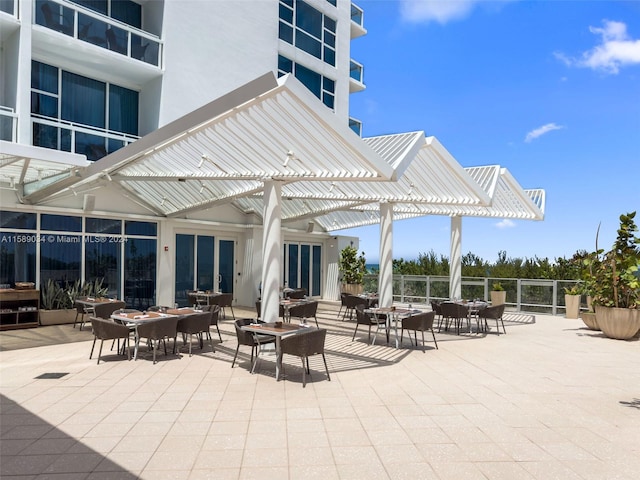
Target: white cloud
x=506, y=223
x=538, y=132
x=617, y=49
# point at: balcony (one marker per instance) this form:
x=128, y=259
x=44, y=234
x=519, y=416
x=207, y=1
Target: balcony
x=83, y=24
x=8, y=124
x=356, y=74
x=9, y=22
x=93, y=142
x=357, y=21
x=355, y=125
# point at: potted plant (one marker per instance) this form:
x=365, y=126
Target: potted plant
x=615, y=282
x=57, y=303
x=352, y=267
x=498, y=294
x=572, y=296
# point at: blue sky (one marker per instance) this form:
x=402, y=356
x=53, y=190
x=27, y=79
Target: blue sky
x=548, y=89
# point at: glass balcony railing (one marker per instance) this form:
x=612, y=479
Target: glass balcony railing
x=92, y=27
x=9, y=6
x=356, y=71
x=355, y=125
x=357, y=15
x=93, y=142
x=8, y=123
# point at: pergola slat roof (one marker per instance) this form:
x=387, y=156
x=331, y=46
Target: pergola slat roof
x=276, y=129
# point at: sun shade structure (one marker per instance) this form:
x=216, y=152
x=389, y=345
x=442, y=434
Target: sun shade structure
x=35, y=166
x=272, y=150
x=267, y=129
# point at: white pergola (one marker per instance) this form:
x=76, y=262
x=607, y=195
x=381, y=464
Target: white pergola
x=271, y=148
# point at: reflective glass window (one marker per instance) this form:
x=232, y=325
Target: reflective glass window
x=293, y=266
x=285, y=32
x=42, y=104
x=316, y=269
x=148, y=229
x=305, y=266
x=17, y=220
x=123, y=110
x=103, y=225
x=308, y=19
x=17, y=257
x=185, y=255
x=140, y=258
x=102, y=262
x=83, y=100
x=309, y=44
x=60, y=258
x=44, y=77
x=310, y=79
x=286, y=14
x=60, y=223
x=205, y=262
x=284, y=64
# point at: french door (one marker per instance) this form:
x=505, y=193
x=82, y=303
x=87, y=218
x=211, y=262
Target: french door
x=303, y=267
x=204, y=262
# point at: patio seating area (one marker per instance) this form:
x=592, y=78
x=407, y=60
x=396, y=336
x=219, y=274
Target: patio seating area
x=551, y=399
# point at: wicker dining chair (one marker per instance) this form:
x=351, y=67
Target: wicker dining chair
x=369, y=319
x=107, y=329
x=158, y=330
x=454, y=313
x=197, y=323
x=493, y=313
x=214, y=310
x=251, y=340
x=305, y=345
x=421, y=322
x=224, y=300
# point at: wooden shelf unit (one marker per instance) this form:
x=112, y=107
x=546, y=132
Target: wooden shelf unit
x=19, y=309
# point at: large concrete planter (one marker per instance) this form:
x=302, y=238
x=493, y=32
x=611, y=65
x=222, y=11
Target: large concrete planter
x=572, y=304
x=589, y=319
x=57, y=317
x=498, y=297
x=618, y=323
x=352, y=288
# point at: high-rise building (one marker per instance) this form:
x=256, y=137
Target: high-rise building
x=84, y=78
x=89, y=76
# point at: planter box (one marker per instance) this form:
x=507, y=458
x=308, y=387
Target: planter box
x=572, y=304
x=57, y=317
x=589, y=319
x=352, y=288
x=498, y=297
x=618, y=323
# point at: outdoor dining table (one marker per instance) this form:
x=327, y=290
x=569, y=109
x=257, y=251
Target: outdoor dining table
x=277, y=330
x=288, y=303
x=133, y=319
x=205, y=298
x=393, y=314
x=94, y=306
x=473, y=308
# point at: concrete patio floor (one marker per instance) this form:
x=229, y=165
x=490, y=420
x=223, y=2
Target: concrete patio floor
x=549, y=400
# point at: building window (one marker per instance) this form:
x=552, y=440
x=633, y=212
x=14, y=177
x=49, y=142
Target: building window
x=67, y=252
x=124, y=10
x=322, y=87
x=308, y=29
x=302, y=267
x=78, y=114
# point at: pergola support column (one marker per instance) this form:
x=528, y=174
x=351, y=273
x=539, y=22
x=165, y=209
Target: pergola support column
x=385, y=279
x=455, y=268
x=271, y=250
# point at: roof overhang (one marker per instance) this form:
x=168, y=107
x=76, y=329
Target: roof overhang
x=268, y=129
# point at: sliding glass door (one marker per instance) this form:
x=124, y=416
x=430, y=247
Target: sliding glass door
x=203, y=262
